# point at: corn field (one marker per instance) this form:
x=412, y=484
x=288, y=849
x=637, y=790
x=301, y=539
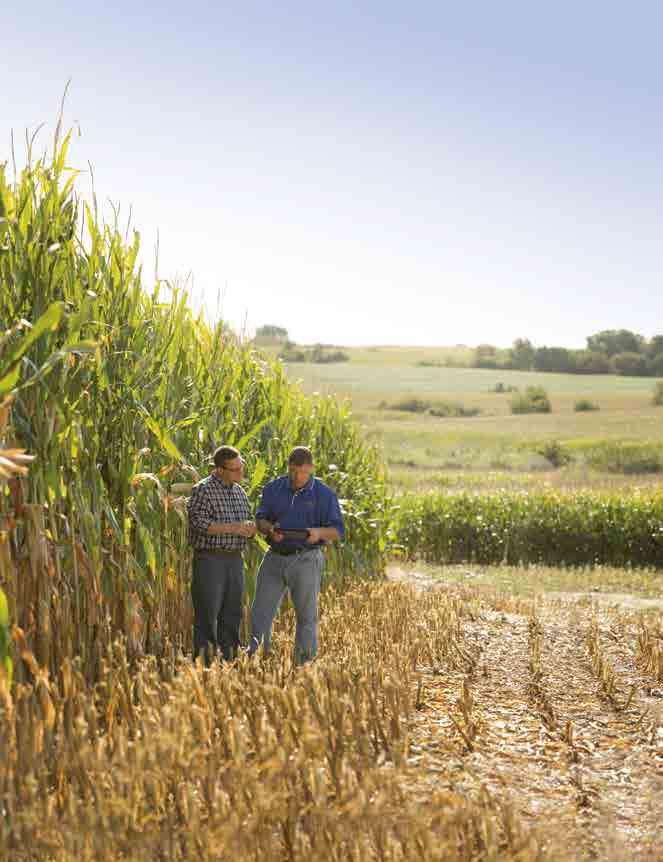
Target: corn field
x=445, y=725
x=558, y=529
x=448, y=724
x=119, y=393
x=161, y=760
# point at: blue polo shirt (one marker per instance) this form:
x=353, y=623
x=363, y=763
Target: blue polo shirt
x=314, y=505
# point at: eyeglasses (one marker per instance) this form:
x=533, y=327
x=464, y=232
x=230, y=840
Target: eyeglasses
x=233, y=469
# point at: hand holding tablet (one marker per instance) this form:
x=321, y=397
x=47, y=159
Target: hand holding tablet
x=292, y=534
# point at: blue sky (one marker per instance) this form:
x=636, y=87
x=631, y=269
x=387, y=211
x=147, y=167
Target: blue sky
x=371, y=173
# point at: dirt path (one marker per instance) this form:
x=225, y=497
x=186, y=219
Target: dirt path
x=554, y=716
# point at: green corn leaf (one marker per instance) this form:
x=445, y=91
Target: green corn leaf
x=258, y=475
x=251, y=434
x=188, y=420
x=164, y=438
x=86, y=345
x=148, y=548
x=4, y=609
x=61, y=156
x=9, y=381
x=49, y=321
x=52, y=361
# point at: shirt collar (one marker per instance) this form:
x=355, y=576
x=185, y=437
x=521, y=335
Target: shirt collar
x=221, y=482
x=306, y=487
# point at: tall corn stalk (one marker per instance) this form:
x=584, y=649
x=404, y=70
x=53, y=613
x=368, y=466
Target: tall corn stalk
x=120, y=391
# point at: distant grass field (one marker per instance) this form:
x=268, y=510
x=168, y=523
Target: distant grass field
x=494, y=449
x=538, y=580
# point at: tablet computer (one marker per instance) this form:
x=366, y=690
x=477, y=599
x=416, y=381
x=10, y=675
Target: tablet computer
x=297, y=535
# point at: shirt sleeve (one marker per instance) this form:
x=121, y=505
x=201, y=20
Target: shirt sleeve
x=265, y=510
x=333, y=515
x=200, y=512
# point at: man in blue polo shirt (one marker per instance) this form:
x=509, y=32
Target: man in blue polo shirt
x=296, y=502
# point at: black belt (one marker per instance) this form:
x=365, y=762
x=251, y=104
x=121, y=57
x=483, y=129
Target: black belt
x=289, y=552
x=227, y=552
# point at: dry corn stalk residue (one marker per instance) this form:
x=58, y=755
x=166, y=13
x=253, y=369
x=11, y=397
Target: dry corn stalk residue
x=435, y=725
x=554, y=709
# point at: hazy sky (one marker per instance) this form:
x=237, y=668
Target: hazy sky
x=376, y=172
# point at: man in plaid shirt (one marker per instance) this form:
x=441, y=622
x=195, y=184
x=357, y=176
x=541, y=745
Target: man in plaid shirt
x=219, y=527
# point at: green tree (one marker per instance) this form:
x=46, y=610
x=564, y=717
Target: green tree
x=271, y=331
x=557, y=359
x=485, y=356
x=630, y=364
x=533, y=400
x=522, y=354
x=613, y=341
x=655, y=346
x=591, y=362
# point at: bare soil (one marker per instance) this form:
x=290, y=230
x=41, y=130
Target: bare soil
x=568, y=734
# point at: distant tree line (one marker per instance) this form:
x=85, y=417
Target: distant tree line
x=278, y=333
x=291, y=352
x=612, y=351
x=319, y=353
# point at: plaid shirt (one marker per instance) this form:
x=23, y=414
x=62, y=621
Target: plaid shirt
x=210, y=502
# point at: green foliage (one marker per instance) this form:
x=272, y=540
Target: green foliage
x=6, y=664
x=584, y=405
x=626, y=457
x=410, y=405
x=440, y=409
x=485, y=356
x=488, y=356
x=522, y=354
x=129, y=392
x=655, y=346
x=322, y=356
x=630, y=364
x=555, y=452
x=270, y=331
x=614, y=341
x=609, y=352
x=317, y=354
x=591, y=362
x=655, y=365
x=533, y=400
x=292, y=353
x=447, y=409
x=554, y=359
x=554, y=529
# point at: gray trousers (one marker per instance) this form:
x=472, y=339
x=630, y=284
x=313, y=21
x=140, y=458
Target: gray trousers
x=217, y=592
x=302, y=575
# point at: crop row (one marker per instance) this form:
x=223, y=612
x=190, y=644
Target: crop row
x=518, y=528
